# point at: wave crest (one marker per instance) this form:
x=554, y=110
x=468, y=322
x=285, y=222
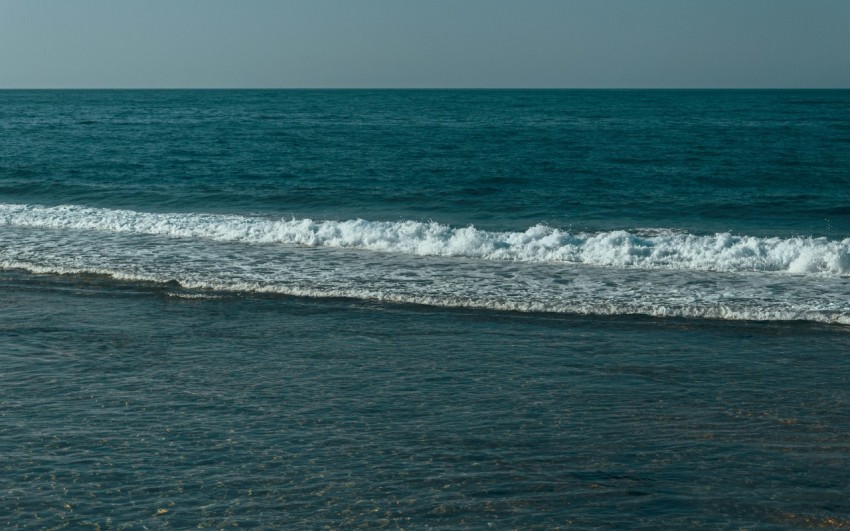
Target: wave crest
x=665, y=249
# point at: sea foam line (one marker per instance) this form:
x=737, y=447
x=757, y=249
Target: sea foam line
x=212, y=289
x=540, y=243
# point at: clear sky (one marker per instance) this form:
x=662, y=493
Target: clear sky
x=424, y=43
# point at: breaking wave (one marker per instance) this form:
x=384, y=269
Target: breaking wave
x=663, y=249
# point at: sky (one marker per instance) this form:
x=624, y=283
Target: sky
x=424, y=43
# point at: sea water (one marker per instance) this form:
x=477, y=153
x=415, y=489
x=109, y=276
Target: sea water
x=450, y=309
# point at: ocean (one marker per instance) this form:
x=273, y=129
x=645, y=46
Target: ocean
x=424, y=308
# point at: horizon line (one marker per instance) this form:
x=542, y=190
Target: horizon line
x=425, y=88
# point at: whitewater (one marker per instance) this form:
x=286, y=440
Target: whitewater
x=659, y=273
x=644, y=249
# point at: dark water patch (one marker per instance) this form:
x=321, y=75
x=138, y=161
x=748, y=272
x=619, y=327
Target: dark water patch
x=836, y=211
x=812, y=102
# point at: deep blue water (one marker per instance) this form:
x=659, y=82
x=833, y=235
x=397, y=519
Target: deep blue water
x=452, y=309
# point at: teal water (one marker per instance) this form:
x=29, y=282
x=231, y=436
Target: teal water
x=751, y=162
x=452, y=309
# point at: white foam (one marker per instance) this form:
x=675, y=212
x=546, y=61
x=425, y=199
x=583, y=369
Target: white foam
x=659, y=250
x=206, y=289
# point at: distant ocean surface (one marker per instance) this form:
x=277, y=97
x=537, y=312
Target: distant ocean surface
x=451, y=309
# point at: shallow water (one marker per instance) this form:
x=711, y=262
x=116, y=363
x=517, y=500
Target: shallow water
x=281, y=411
